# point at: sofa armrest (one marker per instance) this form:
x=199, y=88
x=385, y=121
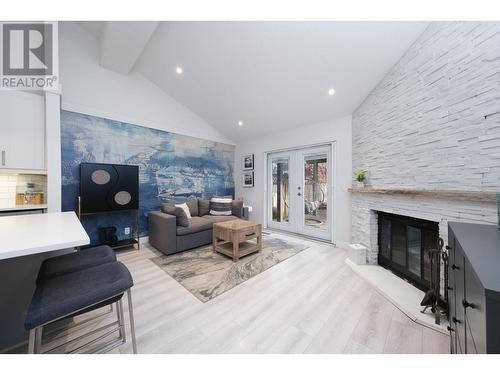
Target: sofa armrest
x=163, y=232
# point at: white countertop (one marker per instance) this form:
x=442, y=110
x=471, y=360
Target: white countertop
x=38, y=233
x=19, y=207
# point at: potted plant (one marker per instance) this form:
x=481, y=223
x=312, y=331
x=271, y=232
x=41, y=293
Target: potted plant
x=360, y=176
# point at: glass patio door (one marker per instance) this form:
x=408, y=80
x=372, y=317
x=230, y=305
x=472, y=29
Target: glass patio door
x=314, y=191
x=299, y=190
x=279, y=191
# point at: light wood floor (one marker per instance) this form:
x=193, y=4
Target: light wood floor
x=310, y=303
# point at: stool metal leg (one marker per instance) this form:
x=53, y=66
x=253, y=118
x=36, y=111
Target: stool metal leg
x=38, y=339
x=132, y=324
x=31, y=341
x=121, y=320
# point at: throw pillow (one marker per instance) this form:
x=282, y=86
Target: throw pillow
x=181, y=217
x=221, y=206
x=237, y=208
x=168, y=208
x=203, y=207
x=193, y=207
x=185, y=207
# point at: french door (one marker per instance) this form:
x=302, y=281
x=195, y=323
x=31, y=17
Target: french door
x=299, y=191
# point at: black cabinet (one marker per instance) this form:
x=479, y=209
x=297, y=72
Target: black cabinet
x=474, y=288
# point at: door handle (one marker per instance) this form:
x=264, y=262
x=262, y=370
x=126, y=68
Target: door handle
x=299, y=194
x=455, y=320
x=466, y=304
x=454, y=267
x=3, y=157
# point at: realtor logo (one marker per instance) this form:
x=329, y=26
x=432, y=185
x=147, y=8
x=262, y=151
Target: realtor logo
x=29, y=58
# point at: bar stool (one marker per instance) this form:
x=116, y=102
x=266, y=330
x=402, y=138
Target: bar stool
x=72, y=262
x=77, y=261
x=78, y=292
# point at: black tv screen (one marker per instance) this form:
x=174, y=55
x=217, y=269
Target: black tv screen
x=108, y=187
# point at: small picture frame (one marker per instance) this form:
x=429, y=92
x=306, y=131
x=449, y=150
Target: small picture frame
x=248, y=179
x=248, y=162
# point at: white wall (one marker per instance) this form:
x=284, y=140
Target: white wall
x=338, y=130
x=53, y=150
x=89, y=88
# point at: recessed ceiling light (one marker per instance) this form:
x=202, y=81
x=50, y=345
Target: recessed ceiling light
x=240, y=123
x=331, y=92
x=178, y=70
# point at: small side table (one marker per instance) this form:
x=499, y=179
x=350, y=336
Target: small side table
x=234, y=238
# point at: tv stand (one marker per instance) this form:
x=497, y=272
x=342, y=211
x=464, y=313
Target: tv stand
x=127, y=242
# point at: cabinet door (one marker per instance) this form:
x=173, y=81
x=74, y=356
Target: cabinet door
x=459, y=318
x=22, y=133
x=451, y=292
x=474, y=312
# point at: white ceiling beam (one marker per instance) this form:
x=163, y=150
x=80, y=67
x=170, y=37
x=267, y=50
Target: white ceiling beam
x=122, y=42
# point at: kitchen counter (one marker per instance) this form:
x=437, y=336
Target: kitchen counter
x=39, y=233
x=24, y=207
x=27, y=240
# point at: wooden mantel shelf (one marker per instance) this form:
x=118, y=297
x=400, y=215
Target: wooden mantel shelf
x=471, y=196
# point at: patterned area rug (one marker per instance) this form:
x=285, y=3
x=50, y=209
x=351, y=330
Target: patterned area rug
x=207, y=274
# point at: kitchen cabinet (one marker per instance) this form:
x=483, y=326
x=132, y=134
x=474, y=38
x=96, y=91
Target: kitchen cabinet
x=22, y=131
x=474, y=288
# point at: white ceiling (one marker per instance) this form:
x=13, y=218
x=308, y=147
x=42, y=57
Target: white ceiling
x=271, y=75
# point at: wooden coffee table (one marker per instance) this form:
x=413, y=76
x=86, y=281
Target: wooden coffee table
x=232, y=238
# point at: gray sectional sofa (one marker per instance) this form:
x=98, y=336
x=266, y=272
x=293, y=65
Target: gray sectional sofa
x=169, y=238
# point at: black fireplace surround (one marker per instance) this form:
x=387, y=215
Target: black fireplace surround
x=404, y=243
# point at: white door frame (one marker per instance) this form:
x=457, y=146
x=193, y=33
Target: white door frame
x=332, y=183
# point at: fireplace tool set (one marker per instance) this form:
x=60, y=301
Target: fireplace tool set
x=433, y=298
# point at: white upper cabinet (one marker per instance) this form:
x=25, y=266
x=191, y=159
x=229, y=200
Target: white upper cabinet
x=22, y=131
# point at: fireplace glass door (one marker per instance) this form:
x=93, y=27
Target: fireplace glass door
x=404, y=245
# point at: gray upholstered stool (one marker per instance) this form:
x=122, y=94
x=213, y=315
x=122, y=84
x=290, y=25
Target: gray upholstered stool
x=72, y=262
x=78, y=292
x=77, y=261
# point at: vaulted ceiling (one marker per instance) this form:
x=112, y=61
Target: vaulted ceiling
x=272, y=76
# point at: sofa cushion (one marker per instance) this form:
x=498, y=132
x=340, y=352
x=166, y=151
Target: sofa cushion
x=203, y=207
x=197, y=224
x=220, y=206
x=218, y=219
x=193, y=207
x=237, y=208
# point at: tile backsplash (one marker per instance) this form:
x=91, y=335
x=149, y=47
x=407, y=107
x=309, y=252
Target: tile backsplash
x=12, y=184
x=8, y=185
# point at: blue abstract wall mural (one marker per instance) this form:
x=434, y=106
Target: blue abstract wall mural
x=172, y=167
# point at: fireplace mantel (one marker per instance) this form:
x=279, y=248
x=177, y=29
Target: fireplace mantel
x=471, y=196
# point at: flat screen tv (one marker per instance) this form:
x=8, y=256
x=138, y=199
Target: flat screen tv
x=108, y=187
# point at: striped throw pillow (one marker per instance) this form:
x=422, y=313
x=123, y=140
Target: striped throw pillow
x=221, y=206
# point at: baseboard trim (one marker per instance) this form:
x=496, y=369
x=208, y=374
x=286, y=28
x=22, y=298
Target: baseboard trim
x=270, y=231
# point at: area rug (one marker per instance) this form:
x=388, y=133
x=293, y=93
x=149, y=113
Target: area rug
x=207, y=274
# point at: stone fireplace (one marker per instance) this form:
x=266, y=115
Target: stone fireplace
x=367, y=204
x=429, y=134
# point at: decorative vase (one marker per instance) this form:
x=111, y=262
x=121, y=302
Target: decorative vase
x=360, y=184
